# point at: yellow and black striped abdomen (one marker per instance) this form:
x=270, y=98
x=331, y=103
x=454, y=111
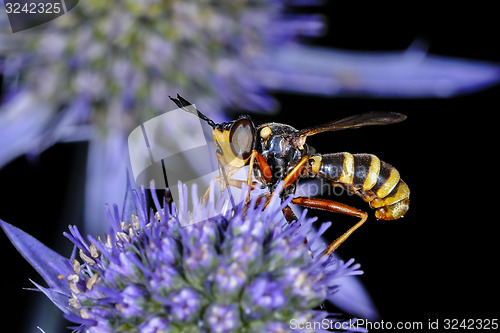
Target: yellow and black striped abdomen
x=375, y=181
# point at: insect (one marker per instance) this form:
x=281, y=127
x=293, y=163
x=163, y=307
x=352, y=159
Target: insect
x=278, y=152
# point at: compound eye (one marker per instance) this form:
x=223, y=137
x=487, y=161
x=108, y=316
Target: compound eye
x=241, y=137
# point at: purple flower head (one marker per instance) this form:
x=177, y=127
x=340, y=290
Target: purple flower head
x=246, y=269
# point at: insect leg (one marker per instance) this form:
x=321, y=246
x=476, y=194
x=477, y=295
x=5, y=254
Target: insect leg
x=334, y=207
x=295, y=173
x=205, y=196
x=236, y=183
x=264, y=168
x=287, y=211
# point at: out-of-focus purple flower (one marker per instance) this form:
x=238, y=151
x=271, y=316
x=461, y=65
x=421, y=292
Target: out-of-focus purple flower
x=412, y=73
x=104, y=68
x=140, y=276
x=114, y=65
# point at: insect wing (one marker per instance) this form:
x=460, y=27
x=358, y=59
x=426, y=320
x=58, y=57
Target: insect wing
x=366, y=119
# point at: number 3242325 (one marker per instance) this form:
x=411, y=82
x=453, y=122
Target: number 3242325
x=33, y=8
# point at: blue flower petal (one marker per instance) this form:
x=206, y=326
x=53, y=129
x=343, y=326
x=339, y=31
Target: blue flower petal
x=20, y=128
x=48, y=263
x=353, y=298
x=106, y=163
x=60, y=300
x=407, y=74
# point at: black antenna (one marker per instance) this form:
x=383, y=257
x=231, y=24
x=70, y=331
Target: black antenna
x=182, y=103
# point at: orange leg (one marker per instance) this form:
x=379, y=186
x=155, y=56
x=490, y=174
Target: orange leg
x=264, y=168
x=295, y=173
x=267, y=176
x=236, y=183
x=334, y=207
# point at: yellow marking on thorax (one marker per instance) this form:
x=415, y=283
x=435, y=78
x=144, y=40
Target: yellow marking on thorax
x=347, y=175
x=316, y=164
x=265, y=133
x=389, y=184
x=372, y=175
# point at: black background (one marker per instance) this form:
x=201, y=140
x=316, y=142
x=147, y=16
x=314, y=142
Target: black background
x=437, y=262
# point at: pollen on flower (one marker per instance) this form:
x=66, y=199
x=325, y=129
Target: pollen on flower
x=73, y=278
x=76, y=266
x=84, y=314
x=92, y=281
x=94, y=252
x=74, y=303
x=86, y=258
x=73, y=287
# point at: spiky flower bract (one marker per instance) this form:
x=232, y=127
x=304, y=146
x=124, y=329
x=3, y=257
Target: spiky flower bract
x=246, y=270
